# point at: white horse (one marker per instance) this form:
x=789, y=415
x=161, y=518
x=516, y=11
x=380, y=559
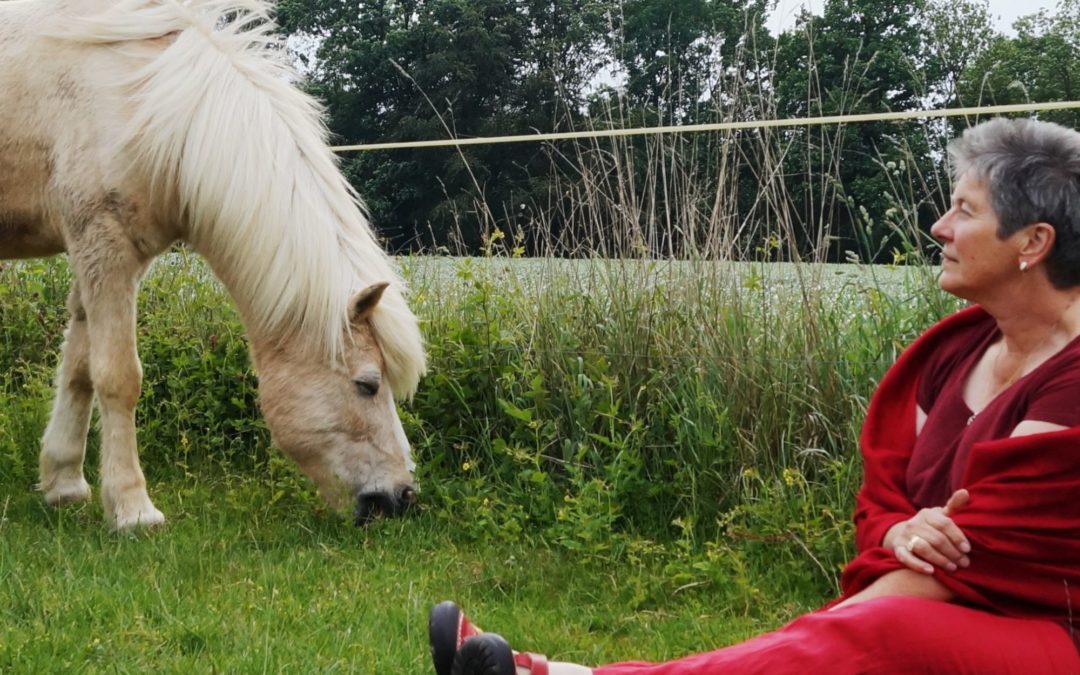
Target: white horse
x=128, y=125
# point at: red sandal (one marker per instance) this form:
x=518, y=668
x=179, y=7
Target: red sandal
x=536, y=663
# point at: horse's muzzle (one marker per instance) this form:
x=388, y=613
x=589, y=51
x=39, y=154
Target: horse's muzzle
x=370, y=505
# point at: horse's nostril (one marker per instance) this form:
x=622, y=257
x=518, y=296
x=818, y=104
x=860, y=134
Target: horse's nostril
x=370, y=505
x=365, y=509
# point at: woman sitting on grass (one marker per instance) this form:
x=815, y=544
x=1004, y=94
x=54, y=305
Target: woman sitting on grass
x=968, y=521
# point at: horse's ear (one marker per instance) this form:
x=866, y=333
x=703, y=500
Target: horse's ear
x=362, y=304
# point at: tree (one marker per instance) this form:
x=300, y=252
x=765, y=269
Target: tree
x=856, y=58
x=426, y=69
x=959, y=32
x=673, y=52
x=1041, y=64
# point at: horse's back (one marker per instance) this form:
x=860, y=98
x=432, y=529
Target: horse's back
x=57, y=125
x=48, y=84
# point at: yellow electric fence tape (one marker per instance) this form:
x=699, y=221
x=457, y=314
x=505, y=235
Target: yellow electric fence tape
x=722, y=126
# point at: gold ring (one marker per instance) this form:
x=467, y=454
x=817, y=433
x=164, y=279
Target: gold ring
x=911, y=543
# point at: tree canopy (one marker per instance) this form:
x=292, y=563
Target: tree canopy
x=392, y=70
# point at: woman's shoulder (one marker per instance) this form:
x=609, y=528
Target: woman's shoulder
x=1062, y=370
x=1049, y=393
x=951, y=335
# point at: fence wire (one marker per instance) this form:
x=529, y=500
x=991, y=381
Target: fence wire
x=719, y=126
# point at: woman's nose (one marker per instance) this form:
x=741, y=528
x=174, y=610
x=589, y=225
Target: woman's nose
x=940, y=229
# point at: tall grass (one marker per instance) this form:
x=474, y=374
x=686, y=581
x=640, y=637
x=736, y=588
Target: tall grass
x=591, y=405
x=677, y=457
x=664, y=400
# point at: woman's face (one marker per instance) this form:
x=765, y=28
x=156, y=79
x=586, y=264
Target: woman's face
x=974, y=260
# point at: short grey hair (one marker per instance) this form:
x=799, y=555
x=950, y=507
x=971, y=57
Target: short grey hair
x=1032, y=173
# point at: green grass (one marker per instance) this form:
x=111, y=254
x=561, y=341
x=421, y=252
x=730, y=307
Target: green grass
x=620, y=460
x=234, y=585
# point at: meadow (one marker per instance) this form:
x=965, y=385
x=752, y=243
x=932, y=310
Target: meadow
x=631, y=459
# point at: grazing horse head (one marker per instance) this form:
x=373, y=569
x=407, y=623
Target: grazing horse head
x=128, y=125
x=338, y=420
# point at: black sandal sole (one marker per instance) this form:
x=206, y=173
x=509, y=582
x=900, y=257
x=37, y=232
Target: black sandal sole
x=485, y=654
x=443, y=625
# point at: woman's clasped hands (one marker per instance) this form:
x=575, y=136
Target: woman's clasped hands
x=931, y=538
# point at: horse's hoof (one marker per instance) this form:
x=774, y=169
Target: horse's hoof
x=138, y=519
x=67, y=491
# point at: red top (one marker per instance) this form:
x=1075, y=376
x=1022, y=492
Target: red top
x=1023, y=519
x=1047, y=394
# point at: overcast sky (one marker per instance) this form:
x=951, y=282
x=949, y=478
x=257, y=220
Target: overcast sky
x=1007, y=11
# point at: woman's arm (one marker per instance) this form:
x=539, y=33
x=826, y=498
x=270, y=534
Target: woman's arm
x=904, y=583
x=1029, y=427
x=930, y=538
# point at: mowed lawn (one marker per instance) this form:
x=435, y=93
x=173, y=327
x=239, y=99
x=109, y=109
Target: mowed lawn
x=239, y=582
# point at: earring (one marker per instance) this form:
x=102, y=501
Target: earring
x=1023, y=266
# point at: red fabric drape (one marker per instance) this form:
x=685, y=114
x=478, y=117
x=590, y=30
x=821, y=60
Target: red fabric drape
x=888, y=635
x=1023, y=520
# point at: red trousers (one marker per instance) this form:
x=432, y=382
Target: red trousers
x=886, y=635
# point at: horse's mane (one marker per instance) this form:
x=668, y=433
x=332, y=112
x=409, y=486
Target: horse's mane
x=219, y=120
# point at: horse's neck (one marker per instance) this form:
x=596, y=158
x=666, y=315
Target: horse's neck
x=245, y=303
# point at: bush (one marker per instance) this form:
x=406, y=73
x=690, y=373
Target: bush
x=598, y=404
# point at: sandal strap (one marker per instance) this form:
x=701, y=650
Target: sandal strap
x=465, y=630
x=536, y=663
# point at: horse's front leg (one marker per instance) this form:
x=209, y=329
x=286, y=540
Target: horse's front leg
x=108, y=285
x=63, y=446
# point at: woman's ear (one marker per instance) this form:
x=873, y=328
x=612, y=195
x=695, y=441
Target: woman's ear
x=1038, y=241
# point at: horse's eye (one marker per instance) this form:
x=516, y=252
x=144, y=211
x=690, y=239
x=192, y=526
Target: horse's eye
x=366, y=388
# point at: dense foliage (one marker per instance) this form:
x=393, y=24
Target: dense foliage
x=426, y=69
